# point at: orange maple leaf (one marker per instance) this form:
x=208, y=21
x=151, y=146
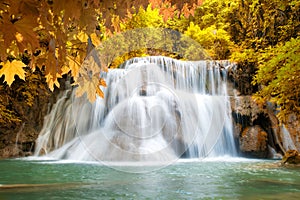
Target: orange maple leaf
x=24, y=27
x=10, y=69
x=88, y=86
x=74, y=65
x=95, y=39
x=51, y=81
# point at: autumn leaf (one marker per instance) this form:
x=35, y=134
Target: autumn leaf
x=115, y=21
x=74, y=65
x=99, y=92
x=95, y=39
x=51, y=81
x=185, y=10
x=51, y=65
x=29, y=7
x=2, y=49
x=82, y=36
x=10, y=69
x=24, y=28
x=88, y=86
x=65, y=70
x=92, y=64
x=167, y=11
x=88, y=20
x=73, y=10
x=102, y=82
x=7, y=30
x=21, y=31
x=89, y=81
x=155, y=3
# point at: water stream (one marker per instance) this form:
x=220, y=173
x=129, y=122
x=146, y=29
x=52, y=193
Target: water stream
x=209, y=179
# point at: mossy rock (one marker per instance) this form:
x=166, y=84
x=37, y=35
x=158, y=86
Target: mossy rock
x=291, y=157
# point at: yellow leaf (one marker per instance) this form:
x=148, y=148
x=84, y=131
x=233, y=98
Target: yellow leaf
x=10, y=69
x=95, y=40
x=79, y=91
x=102, y=82
x=51, y=65
x=74, y=65
x=65, y=70
x=19, y=37
x=25, y=30
x=100, y=92
x=88, y=20
x=51, y=81
x=87, y=88
x=105, y=68
x=92, y=63
x=90, y=87
x=82, y=36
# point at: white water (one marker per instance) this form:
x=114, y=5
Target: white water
x=287, y=141
x=155, y=109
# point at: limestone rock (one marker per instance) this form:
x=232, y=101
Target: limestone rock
x=10, y=151
x=253, y=142
x=293, y=126
x=291, y=157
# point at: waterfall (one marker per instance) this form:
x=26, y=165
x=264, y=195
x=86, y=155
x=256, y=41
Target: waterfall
x=287, y=141
x=155, y=109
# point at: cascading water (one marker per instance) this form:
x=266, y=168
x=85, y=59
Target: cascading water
x=287, y=141
x=155, y=109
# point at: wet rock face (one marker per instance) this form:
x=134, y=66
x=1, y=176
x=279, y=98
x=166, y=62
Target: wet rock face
x=10, y=151
x=293, y=126
x=253, y=142
x=246, y=114
x=18, y=143
x=248, y=127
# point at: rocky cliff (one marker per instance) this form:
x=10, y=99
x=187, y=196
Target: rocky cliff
x=258, y=132
x=18, y=140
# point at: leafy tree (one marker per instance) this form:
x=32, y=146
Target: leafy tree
x=262, y=30
x=279, y=77
x=261, y=23
x=216, y=41
x=149, y=17
x=142, y=33
x=214, y=13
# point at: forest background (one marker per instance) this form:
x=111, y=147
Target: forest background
x=43, y=43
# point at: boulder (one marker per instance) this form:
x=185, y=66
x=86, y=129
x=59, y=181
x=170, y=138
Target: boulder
x=253, y=142
x=291, y=157
x=10, y=151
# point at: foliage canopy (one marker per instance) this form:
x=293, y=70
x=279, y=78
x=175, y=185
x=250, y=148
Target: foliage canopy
x=279, y=75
